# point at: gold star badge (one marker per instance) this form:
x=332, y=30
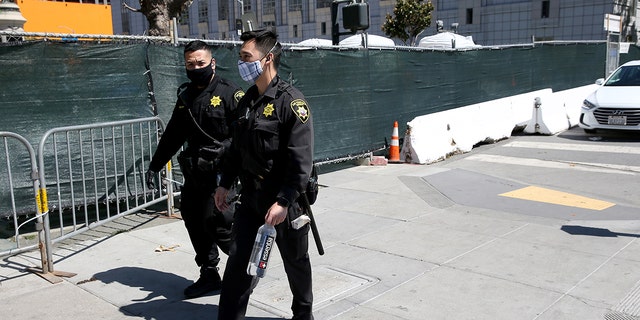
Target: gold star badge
x=268, y=110
x=215, y=101
x=301, y=109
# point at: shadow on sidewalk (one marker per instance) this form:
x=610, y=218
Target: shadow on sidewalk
x=164, y=298
x=596, y=232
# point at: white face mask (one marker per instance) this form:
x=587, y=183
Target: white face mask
x=250, y=71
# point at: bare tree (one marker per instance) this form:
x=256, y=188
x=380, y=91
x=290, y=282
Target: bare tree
x=159, y=13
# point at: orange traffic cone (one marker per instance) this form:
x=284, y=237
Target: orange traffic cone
x=394, y=149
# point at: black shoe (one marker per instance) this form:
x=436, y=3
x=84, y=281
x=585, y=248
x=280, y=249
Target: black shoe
x=209, y=281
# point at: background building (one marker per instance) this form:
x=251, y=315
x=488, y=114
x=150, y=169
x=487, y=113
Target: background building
x=501, y=22
x=294, y=20
x=490, y=22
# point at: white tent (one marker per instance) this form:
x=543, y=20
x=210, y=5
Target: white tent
x=447, y=40
x=312, y=43
x=355, y=41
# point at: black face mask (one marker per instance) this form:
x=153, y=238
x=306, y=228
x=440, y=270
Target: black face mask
x=200, y=77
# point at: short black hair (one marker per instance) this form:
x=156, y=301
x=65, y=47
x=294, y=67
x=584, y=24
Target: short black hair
x=266, y=40
x=196, y=45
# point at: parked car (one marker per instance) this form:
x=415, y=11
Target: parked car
x=616, y=103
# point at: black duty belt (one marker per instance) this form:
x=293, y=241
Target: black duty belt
x=253, y=183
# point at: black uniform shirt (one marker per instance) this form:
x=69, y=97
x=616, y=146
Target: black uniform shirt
x=273, y=140
x=214, y=109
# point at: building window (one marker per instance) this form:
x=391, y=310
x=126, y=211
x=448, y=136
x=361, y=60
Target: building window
x=269, y=23
x=469, y=16
x=203, y=11
x=184, y=17
x=323, y=28
x=324, y=3
x=246, y=5
x=223, y=10
x=545, y=9
x=125, y=20
x=268, y=6
x=295, y=30
x=295, y=5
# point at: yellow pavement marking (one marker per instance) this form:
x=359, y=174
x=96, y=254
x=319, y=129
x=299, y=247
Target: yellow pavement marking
x=557, y=197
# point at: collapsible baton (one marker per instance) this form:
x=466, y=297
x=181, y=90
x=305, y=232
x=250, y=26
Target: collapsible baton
x=314, y=228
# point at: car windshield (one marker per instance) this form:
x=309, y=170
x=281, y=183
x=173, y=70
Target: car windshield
x=625, y=77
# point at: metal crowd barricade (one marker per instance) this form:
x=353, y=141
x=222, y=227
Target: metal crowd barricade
x=93, y=174
x=23, y=191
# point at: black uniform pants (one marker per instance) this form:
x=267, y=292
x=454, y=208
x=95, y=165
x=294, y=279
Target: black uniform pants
x=293, y=246
x=208, y=228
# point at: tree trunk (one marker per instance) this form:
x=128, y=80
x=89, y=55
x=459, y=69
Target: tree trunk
x=160, y=12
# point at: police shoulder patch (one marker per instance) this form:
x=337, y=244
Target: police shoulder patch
x=301, y=109
x=238, y=95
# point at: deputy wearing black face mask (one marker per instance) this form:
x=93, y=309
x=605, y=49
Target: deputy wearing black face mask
x=202, y=76
x=202, y=116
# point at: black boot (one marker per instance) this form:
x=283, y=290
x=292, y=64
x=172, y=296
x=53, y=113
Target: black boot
x=209, y=281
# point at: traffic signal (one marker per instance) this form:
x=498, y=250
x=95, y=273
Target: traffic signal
x=355, y=16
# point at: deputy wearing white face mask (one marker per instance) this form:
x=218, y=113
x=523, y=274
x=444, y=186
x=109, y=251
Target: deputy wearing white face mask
x=272, y=153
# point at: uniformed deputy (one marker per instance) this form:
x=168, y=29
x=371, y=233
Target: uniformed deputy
x=272, y=153
x=202, y=116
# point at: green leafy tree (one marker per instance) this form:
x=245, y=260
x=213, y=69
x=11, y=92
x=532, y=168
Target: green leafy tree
x=159, y=13
x=410, y=18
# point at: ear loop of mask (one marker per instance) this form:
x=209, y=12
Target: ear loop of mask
x=270, y=51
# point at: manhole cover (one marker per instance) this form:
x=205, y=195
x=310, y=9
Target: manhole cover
x=330, y=285
x=629, y=306
x=619, y=316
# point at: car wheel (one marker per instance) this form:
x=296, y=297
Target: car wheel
x=590, y=130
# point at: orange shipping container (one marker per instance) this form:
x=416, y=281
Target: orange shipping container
x=66, y=17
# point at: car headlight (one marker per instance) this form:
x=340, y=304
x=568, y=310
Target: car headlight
x=586, y=104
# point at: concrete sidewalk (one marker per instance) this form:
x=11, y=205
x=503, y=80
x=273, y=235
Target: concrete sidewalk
x=396, y=248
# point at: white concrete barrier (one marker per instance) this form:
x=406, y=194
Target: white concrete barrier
x=433, y=137
x=572, y=100
x=548, y=115
x=558, y=111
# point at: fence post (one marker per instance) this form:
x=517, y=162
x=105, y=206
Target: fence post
x=170, y=203
x=47, y=272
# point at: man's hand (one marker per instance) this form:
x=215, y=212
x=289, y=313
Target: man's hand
x=212, y=152
x=276, y=214
x=215, y=151
x=221, y=199
x=149, y=177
